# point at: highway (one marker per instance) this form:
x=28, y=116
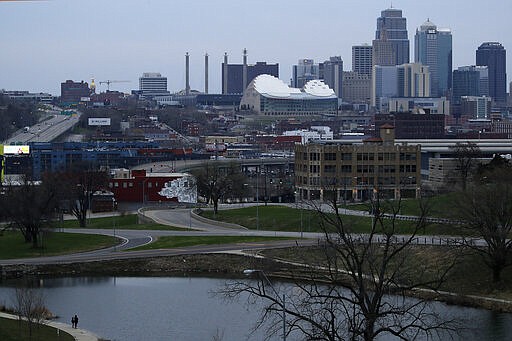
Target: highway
x=46, y=130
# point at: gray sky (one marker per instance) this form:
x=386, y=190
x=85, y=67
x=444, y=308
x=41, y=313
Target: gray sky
x=43, y=43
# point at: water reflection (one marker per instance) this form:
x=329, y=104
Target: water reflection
x=170, y=308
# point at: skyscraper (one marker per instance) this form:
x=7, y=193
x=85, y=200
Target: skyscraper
x=333, y=74
x=413, y=80
x=494, y=56
x=433, y=48
x=470, y=81
x=362, y=59
x=305, y=71
x=233, y=75
x=391, y=44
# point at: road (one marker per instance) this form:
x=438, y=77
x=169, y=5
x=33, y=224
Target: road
x=174, y=217
x=47, y=130
x=184, y=219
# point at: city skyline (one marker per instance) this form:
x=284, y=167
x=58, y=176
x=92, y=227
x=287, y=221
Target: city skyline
x=51, y=41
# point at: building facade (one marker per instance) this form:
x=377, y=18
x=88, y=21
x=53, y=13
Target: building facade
x=410, y=125
x=494, y=56
x=269, y=96
x=305, y=71
x=391, y=44
x=233, y=75
x=73, y=92
x=351, y=172
x=470, y=81
x=420, y=105
x=413, y=80
x=356, y=87
x=143, y=187
x=362, y=59
x=433, y=48
x=476, y=107
x=384, y=86
x=152, y=84
x=333, y=74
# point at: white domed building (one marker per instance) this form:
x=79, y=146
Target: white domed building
x=270, y=96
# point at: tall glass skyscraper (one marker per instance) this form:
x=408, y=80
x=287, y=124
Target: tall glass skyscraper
x=494, y=56
x=391, y=44
x=433, y=48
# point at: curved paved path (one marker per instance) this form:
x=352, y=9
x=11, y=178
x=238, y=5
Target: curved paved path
x=78, y=334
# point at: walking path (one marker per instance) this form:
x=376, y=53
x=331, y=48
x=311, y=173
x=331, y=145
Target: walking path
x=78, y=334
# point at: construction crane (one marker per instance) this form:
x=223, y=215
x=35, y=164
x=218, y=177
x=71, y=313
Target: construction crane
x=108, y=81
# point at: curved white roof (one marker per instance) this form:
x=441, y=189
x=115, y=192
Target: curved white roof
x=274, y=87
x=318, y=88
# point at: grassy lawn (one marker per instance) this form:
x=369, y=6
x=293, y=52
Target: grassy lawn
x=440, y=206
x=14, y=330
x=12, y=244
x=170, y=242
x=282, y=218
x=125, y=222
x=469, y=276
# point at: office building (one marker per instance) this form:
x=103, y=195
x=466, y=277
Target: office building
x=333, y=74
x=476, y=107
x=362, y=59
x=356, y=87
x=470, y=81
x=409, y=125
x=420, y=105
x=152, y=84
x=494, y=56
x=306, y=70
x=384, y=86
x=413, y=80
x=349, y=171
x=433, y=48
x=233, y=75
x=391, y=44
x=268, y=95
x=73, y=92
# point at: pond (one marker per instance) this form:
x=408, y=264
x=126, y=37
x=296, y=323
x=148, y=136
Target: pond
x=179, y=308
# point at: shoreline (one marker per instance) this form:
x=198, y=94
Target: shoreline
x=213, y=265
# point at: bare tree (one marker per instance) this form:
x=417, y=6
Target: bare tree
x=29, y=305
x=466, y=155
x=357, y=289
x=486, y=212
x=220, y=181
x=76, y=187
x=30, y=207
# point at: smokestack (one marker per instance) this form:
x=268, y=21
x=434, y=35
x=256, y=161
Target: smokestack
x=187, y=70
x=206, y=73
x=225, y=74
x=244, y=73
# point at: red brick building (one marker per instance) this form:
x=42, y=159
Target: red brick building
x=141, y=186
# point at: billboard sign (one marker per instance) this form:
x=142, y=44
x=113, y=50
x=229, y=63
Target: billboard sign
x=99, y=121
x=16, y=150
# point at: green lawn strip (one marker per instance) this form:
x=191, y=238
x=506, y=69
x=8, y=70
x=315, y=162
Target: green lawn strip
x=12, y=244
x=14, y=330
x=170, y=242
x=124, y=222
x=440, y=206
x=283, y=218
x=469, y=276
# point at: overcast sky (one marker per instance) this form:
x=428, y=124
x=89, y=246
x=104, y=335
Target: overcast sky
x=43, y=43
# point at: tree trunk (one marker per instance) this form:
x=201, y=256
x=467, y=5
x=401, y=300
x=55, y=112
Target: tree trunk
x=496, y=273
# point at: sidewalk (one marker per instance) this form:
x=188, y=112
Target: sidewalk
x=78, y=334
